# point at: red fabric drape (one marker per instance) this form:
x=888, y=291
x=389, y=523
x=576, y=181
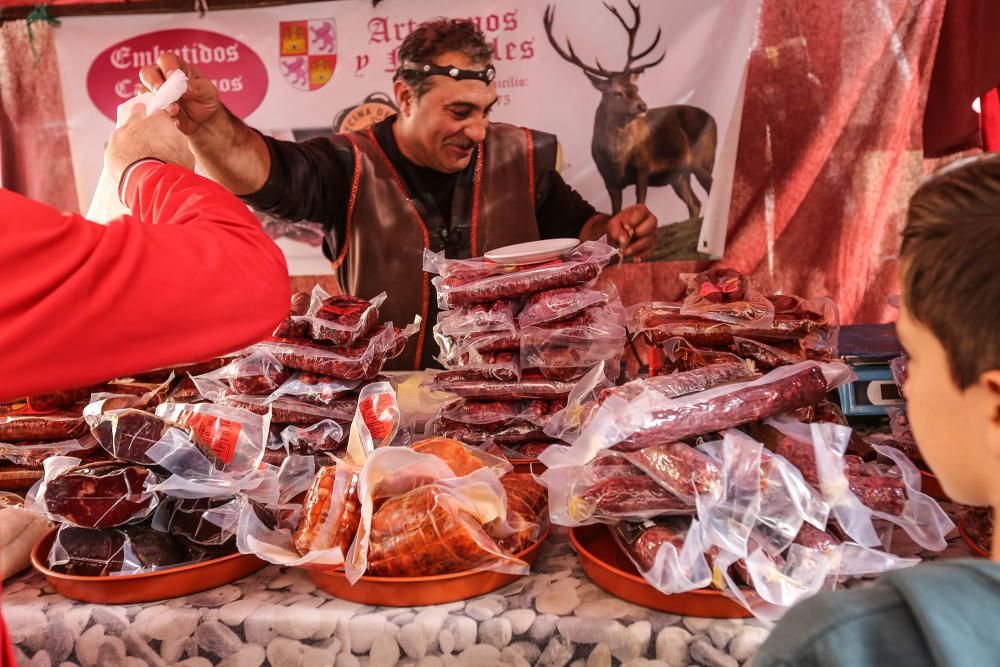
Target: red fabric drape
x=989, y=120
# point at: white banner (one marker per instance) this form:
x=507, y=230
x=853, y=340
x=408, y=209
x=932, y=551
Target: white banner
x=303, y=70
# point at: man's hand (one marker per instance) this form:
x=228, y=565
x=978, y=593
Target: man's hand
x=198, y=105
x=143, y=136
x=634, y=229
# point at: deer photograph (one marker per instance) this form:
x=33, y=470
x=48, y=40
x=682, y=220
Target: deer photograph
x=633, y=144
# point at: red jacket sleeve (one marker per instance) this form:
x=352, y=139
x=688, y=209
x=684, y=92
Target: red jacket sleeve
x=188, y=276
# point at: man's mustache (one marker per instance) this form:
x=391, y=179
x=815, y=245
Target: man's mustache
x=460, y=143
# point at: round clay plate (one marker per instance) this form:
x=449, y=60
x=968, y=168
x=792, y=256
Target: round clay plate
x=148, y=586
x=963, y=531
x=930, y=485
x=420, y=591
x=609, y=567
x=532, y=252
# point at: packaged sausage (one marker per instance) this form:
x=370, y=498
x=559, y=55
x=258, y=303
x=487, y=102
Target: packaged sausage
x=209, y=522
x=291, y=327
x=532, y=385
x=32, y=455
x=323, y=437
x=478, y=318
x=668, y=553
x=340, y=320
x=607, y=490
x=318, y=389
x=473, y=365
x=361, y=361
x=257, y=374
x=527, y=504
x=16, y=426
x=726, y=295
x=478, y=280
x=595, y=335
x=768, y=357
x=563, y=303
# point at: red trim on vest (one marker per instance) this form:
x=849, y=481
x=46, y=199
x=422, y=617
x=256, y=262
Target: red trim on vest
x=427, y=245
x=531, y=166
x=355, y=181
x=475, y=199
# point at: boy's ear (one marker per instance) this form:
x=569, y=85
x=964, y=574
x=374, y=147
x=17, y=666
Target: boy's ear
x=990, y=382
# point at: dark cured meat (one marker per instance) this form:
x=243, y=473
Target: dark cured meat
x=289, y=328
x=512, y=434
x=803, y=456
x=882, y=494
x=660, y=323
x=343, y=319
x=626, y=496
x=99, y=553
x=129, y=434
x=349, y=363
x=260, y=385
x=426, y=532
x=532, y=385
x=494, y=414
x=679, y=468
x=185, y=518
x=535, y=279
x=768, y=357
x=642, y=541
x=496, y=316
x=62, y=399
x=286, y=410
x=99, y=495
x=53, y=426
x=331, y=513
x=502, y=366
x=557, y=305
x=681, y=384
x=698, y=417
x=812, y=537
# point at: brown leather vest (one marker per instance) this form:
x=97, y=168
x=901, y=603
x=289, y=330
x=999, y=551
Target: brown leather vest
x=386, y=237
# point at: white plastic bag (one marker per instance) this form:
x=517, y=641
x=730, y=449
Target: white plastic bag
x=105, y=205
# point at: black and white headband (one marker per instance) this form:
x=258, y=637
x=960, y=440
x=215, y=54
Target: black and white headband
x=423, y=71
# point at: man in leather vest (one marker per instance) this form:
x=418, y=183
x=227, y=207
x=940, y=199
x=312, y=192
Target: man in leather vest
x=437, y=175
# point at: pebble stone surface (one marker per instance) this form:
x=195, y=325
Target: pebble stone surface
x=554, y=617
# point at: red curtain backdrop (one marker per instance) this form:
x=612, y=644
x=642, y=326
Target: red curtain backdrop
x=830, y=149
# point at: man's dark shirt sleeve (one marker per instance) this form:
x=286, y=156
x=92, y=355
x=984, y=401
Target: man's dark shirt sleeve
x=561, y=211
x=309, y=180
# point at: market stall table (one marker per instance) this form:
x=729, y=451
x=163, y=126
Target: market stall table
x=277, y=616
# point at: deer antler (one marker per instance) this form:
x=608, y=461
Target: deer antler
x=632, y=30
x=547, y=19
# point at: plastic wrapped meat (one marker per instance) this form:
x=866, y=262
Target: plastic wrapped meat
x=331, y=511
x=495, y=414
x=879, y=493
x=642, y=541
x=502, y=366
x=32, y=455
x=456, y=455
x=681, y=384
x=803, y=456
x=206, y=521
x=557, y=305
x=509, y=435
x=728, y=296
x=318, y=389
x=100, y=495
x=98, y=553
x=426, y=532
x=814, y=538
x=343, y=319
x=326, y=436
x=780, y=391
x=481, y=317
x=768, y=357
x=64, y=425
x=128, y=434
x=467, y=282
x=361, y=361
x=531, y=385
x=527, y=503
x=627, y=494
x=678, y=355
x=290, y=410
x=681, y=469
x=290, y=327
x=63, y=399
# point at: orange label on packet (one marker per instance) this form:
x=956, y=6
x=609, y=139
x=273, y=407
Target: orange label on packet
x=219, y=435
x=379, y=413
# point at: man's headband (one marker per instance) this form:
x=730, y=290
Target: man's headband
x=423, y=71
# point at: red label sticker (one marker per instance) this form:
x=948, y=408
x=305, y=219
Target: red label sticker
x=219, y=435
x=236, y=70
x=379, y=413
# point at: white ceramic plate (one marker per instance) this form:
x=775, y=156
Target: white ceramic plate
x=533, y=252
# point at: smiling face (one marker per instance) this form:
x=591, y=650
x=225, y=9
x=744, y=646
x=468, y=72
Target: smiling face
x=955, y=429
x=441, y=129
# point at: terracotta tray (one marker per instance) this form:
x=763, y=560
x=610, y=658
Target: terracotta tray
x=146, y=587
x=608, y=567
x=930, y=485
x=419, y=591
x=976, y=549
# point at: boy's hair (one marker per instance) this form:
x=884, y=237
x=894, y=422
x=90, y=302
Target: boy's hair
x=950, y=261
x=431, y=39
